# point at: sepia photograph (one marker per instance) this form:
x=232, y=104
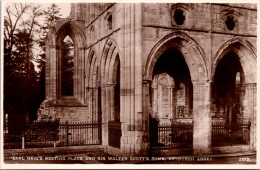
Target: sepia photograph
x=113, y=84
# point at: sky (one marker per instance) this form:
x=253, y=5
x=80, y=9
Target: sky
x=65, y=8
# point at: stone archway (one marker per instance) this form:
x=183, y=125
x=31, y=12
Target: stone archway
x=193, y=56
x=240, y=102
x=109, y=77
x=92, y=87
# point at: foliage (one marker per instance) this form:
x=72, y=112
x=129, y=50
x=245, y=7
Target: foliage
x=67, y=66
x=23, y=64
x=52, y=14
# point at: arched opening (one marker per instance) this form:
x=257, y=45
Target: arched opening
x=228, y=92
x=172, y=102
x=109, y=77
x=114, y=124
x=67, y=66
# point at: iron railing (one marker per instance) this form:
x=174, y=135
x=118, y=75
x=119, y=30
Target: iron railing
x=171, y=136
x=230, y=134
x=51, y=134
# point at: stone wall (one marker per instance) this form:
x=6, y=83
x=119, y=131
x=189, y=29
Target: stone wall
x=136, y=35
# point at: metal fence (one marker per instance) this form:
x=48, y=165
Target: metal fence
x=230, y=134
x=51, y=134
x=171, y=136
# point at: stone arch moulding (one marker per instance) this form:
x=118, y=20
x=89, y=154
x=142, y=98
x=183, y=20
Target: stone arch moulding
x=91, y=69
x=246, y=53
x=63, y=28
x=72, y=28
x=192, y=52
x=109, y=57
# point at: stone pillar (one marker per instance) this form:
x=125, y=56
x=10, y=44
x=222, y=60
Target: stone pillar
x=147, y=110
x=250, y=111
x=54, y=71
x=81, y=82
x=94, y=104
x=104, y=116
x=90, y=103
x=171, y=102
x=202, y=119
x=47, y=72
x=140, y=148
x=111, y=101
x=155, y=100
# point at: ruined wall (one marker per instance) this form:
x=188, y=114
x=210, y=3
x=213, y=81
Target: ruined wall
x=137, y=35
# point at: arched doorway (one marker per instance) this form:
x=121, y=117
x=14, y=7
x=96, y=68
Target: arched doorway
x=233, y=100
x=193, y=56
x=228, y=90
x=110, y=95
x=172, y=102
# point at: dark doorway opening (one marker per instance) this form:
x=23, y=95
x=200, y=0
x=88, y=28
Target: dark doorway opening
x=171, y=122
x=228, y=126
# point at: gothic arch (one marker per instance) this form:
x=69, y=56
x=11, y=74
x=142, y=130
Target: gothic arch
x=109, y=77
x=67, y=27
x=191, y=50
x=92, y=86
x=63, y=28
x=246, y=53
x=109, y=59
x=91, y=69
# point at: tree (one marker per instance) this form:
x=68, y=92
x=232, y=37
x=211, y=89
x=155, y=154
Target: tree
x=24, y=57
x=20, y=77
x=12, y=18
x=52, y=14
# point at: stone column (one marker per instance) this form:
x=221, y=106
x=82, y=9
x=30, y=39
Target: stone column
x=95, y=104
x=155, y=100
x=54, y=71
x=47, y=72
x=171, y=102
x=140, y=148
x=104, y=116
x=202, y=118
x=250, y=111
x=147, y=110
x=111, y=102
x=81, y=82
x=95, y=111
